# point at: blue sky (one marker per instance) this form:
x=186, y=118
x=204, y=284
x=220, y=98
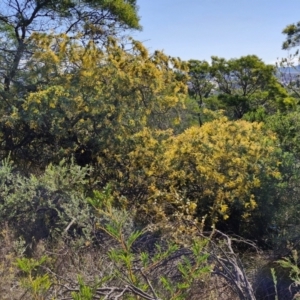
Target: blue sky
x=198, y=29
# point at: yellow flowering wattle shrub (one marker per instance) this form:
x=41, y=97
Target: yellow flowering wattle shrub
x=91, y=102
x=213, y=169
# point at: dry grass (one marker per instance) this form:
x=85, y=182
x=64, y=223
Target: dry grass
x=67, y=262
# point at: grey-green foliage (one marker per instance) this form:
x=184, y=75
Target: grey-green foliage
x=38, y=206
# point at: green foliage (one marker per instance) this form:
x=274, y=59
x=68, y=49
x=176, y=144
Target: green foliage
x=36, y=283
x=102, y=199
x=85, y=292
x=97, y=17
x=136, y=268
x=287, y=128
x=243, y=87
x=200, y=85
x=292, y=264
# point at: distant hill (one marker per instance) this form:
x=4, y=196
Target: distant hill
x=287, y=75
x=290, y=70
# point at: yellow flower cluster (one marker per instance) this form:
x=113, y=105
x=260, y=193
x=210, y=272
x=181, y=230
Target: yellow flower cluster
x=219, y=165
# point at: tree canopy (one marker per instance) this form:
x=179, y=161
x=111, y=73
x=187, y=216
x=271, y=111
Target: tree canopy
x=240, y=87
x=85, y=20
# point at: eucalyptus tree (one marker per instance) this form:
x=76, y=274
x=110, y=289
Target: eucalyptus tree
x=201, y=85
x=247, y=84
